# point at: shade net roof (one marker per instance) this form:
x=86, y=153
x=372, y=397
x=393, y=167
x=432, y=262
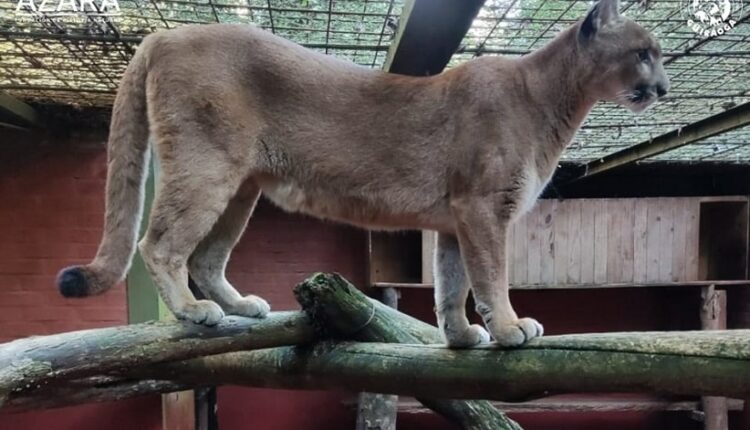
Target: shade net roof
x=49, y=56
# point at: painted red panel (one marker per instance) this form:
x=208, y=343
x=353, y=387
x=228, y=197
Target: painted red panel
x=51, y=211
x=278, y=250
x=143, y=413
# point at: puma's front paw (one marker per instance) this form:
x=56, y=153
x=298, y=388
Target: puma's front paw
x=201, y=312
x=518, y=333
x=472, y=335
x=250, y=306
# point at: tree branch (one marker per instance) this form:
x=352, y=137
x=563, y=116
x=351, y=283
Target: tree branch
x=35, y=362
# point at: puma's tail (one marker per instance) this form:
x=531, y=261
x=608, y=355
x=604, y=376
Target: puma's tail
x=127, y=160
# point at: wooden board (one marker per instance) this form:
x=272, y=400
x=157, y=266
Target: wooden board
x=534, y=226
x=549, y=234
x=688, y=284
x=575, y=240
x=585, y=404
x=640, y=237
x=429, y=241
x=588, y=214
x=600, y=240
x=519, y=252
x=583, y=242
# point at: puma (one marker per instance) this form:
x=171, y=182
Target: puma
x=234, y=111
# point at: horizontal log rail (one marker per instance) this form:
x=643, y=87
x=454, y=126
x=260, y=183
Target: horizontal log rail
x=315, y=349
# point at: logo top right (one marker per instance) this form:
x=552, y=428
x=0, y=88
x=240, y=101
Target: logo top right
x=711, y=18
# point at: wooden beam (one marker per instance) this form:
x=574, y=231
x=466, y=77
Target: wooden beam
x=429, y=34
x=721, y=283
x=713, y=315
x=144, y=303
x=582, y=404
x=720, y=123
x=22, y=114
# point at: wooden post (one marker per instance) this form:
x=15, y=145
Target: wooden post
x=741, y=302
x=144, y=304
x=204, y=403
x=379, y=411
x=714, y=317
x=429, y=241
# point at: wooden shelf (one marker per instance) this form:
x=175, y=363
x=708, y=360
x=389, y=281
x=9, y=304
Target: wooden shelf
x=579, y=404
x=723, y=283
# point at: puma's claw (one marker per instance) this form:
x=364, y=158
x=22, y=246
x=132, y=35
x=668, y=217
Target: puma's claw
x=473, y=335
x=518, y=333
x=250, y=306
x=201, y=312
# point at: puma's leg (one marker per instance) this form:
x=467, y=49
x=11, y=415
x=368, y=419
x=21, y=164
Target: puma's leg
x=482, y=229
x=451, y=291
x=208, y=263
x=185, y=209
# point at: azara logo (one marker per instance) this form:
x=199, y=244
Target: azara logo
x=712, y=18
x=67, y=9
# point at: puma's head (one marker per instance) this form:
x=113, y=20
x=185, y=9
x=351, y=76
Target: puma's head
x=623, y=58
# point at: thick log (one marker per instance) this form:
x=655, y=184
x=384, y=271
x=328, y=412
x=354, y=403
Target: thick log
x=377, y=411
x=682, y=363
x=37, y=361
x=90, y=390
x=341, y=310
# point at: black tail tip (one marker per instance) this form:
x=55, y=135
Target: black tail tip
x=72, y=282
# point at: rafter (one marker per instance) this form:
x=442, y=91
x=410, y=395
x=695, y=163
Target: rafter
x=720, y=123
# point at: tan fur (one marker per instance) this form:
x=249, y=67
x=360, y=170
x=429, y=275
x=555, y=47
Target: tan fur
x=235, y=111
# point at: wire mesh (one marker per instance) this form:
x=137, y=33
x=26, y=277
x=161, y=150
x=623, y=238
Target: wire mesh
x=78, y=58
x=49, y=58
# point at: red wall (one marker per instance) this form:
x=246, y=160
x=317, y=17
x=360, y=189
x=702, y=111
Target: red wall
x=51, y=195
x=51, y=211
x=277, y=251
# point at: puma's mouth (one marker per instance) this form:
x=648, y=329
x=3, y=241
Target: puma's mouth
x=641, y=98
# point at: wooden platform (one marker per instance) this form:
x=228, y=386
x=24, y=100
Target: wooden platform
x=718, y=284
x=579, y=404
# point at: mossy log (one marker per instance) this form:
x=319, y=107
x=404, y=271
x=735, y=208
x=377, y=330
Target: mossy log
x=90, y=390
x=685, y=363
x=339, y=309
x=682, y=363
x=38, y=361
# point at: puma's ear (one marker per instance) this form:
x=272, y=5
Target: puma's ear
x=601, y=14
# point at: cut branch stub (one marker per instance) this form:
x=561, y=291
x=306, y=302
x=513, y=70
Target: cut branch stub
x=340, y=309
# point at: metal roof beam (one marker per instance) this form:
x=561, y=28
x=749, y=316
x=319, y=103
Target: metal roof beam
x=19, y=114
x=720, y=123
x=429, y=34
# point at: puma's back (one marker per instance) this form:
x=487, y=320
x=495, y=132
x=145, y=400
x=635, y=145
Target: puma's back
x=235, y=111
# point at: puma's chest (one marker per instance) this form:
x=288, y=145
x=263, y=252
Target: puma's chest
x=532, y=186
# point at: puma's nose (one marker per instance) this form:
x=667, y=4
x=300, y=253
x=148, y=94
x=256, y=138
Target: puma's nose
x=660, y=91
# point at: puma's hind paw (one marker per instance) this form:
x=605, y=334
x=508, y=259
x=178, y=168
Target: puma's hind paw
x=250, y=306
x=201, y=312
x=473, y=335
x=518, y=333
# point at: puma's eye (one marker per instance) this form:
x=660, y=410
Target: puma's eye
x=643, y=55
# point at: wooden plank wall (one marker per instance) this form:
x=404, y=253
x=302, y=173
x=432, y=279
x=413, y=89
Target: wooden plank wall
x=606, y=241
